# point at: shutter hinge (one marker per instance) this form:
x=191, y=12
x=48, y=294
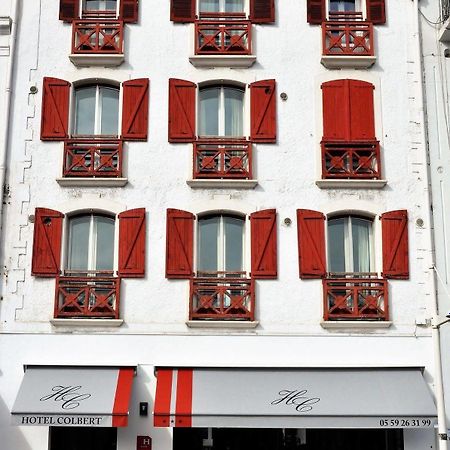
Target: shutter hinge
x=6, y=194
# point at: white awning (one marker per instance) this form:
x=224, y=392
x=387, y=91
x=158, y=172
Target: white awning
x=293, y=398
x=74, y=396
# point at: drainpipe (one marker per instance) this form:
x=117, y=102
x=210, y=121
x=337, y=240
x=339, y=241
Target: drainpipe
x=436, y=322
x=5, y=126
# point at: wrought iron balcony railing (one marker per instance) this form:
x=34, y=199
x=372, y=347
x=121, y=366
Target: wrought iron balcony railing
x=351, y=160
x=355, y=297
x=87, y=295
x=222, y=159
x=349, y=38
x=222, y=296
x=94, y=157
x=97, y=36
x=224, y=35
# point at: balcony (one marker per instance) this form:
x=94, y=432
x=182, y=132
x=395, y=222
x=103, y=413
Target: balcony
x=352, y=160
x=97, y=42
x=93, y=294
x=222, y=159
x=223, y=40
x=222, y=296
x=355, y=297
x=347, y=42
x=91, y=157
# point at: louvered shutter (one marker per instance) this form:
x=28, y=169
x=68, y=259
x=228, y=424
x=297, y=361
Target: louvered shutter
x=129, y=11
x=181, y=110
x=135, y=109
x=182, y=10
x=376, y=12
x=263, y=230
x=263, y=122
x=55, y=109
x=315, y=10
x=311, y=243
x=47, y=242
x=179, y=244
x=394, y=227
x=362, y=124
x=335, y=102
x=132, y=232
x=262, y=11
x=69, y=10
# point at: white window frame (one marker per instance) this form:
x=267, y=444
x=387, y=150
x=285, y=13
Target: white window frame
x=98, y=108
x=221, y=239
x=222, y=6
x=83, y=7
x=360, y=6
x=348, y=242
x=221, y=111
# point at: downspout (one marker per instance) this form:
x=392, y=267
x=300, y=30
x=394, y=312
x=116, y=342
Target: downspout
x=5, y=126
x=435, y=325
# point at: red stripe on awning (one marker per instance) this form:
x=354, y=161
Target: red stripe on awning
x=163, y=397
x=183, y=409
x=122, y=397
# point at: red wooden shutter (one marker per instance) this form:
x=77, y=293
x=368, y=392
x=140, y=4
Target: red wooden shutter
x=182, y=10
x=394, y=229
x=311, y=243
x=362, y=123
x=181, y=110
x=47, y=242
x=69, y=10
x=263, y=230
x=129, y=11
x=376, y=12
x=135, y=109
x=262, y=11
x=55, y=109
x=179, y=244
x=336, y=118
x=263, y=122
x=132, y=243
x=315, y=10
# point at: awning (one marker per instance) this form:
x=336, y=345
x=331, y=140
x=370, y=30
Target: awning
x=74, y=396
x=293, y=398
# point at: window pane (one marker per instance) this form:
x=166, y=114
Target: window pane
x=336, y=245
x=208, y=230
x=361, y=244
x=79, y=243
x=209, y=112
x=110, y=110
x=234, y=5
x=104, y=233
x=100, y=5
x=234, y=103
x=85, y=111
x=209, y=5
x=342, y=5
x=233, y=229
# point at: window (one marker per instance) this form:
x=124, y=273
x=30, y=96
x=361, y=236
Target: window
x=72, y=10
x=96, y=111
x=221, y=111
x=350, y=245
x=222, y=287
x=88, y=286
x=224, y=6
x=91, y=243
x=343, y=6
x=220, y=245
x=100, y=5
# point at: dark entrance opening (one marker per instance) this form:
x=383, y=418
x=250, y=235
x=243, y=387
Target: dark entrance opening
x=83, y=438
x=287, y=439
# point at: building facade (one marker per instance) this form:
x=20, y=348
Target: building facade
x=216, y=227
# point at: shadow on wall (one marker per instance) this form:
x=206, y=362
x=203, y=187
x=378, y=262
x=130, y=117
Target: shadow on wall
x=11, y=437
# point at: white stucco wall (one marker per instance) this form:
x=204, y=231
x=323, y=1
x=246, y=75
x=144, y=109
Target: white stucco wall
x=154, y=309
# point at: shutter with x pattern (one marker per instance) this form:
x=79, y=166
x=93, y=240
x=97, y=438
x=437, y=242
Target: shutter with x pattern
x=179, y=244
x=311, y=243
x=47, y=242
x=181, y=110
x=135, y=109
x=132, y=243
x=263, y=122
x=55, y=109
x=394, y=230
x=263, y=229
